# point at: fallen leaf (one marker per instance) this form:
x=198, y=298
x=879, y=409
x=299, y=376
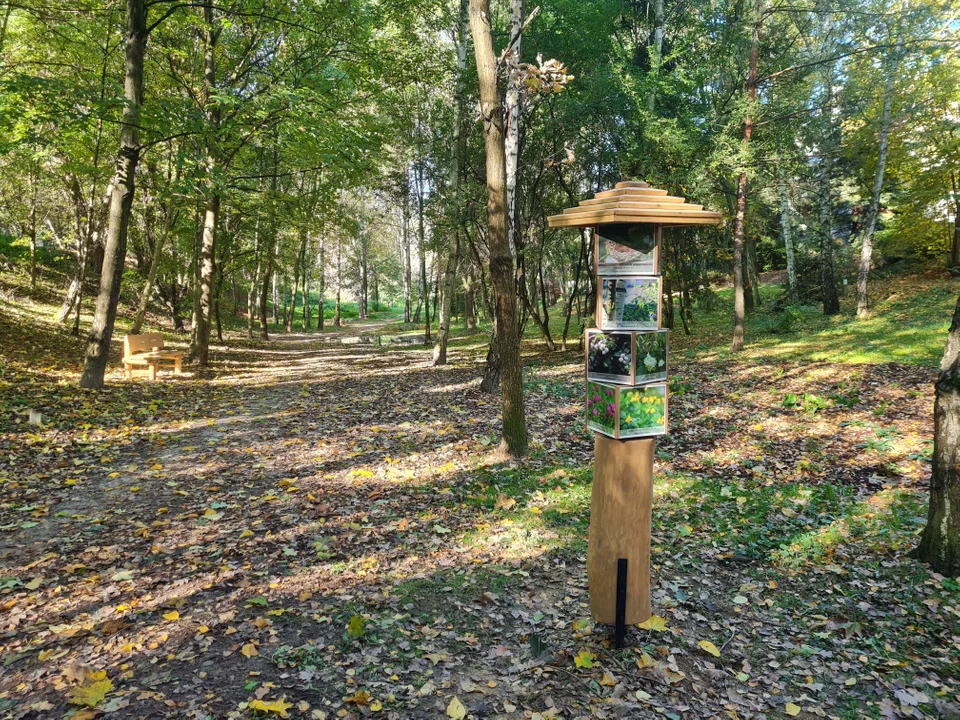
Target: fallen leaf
x=584, y=659
x=92, y=689
x=792, y=709
x=709, y=647
x=655, y=623
x=249, y=650
x=456, y=710
x=171, y=616
x=277, y=707
x=608, y=680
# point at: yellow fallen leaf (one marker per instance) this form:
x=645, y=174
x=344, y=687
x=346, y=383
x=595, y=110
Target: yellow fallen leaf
x=92, y=690
x=171, y=616
x=246, y=534
x=249, y=650
x=792, y=709
x=608, y=680
x=655, y=623
x=277, y=707
x=376, y=706
x=456, y=710
x=709, y=647
x=584, y=659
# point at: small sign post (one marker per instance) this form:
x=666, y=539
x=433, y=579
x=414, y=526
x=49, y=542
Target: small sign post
x=627, y=396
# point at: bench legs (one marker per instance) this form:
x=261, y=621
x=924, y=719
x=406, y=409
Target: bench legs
x=176, y=366
x=153, y=370
x=128, y=368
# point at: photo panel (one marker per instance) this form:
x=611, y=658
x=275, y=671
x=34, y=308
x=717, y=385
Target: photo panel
x=626, y=412
x=651, y=354
x=627, y=249
x=629, y=303
x=642, y=411
x=610, y=356
x=602, y=408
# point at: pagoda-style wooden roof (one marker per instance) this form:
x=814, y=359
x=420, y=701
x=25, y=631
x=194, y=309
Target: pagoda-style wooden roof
x=634, y=202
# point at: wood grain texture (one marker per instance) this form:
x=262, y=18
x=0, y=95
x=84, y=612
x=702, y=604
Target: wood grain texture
x=620, y=519
x=634, y=202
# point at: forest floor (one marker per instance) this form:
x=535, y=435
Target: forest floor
x=312, y=529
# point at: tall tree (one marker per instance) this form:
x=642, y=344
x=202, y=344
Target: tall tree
x=121, y=199
x=514, y=440
x=453, y=251
x=739, y=307
x=940, y=542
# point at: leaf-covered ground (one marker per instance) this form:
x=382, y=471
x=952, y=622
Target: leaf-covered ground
x=315, y=529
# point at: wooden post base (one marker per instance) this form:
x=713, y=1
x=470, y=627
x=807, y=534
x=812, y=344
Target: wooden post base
x=620, y=520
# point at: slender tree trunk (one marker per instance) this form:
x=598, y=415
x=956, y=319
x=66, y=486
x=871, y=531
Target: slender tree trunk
x=787, y=238
x=828, y=281
x=337, y=320
x=748, y=295
x=940, y=542
x=121, y=200
x=322, y=290
x=33, y=180
x=576, y=285
x=514, y=442
x=469, y=301
x=212, y=212
x=252, y=292
x=453, y=252
x=656, y=53
x=421, y=247
x=305, y=324
x=955, y=249
x=268, y=274
x=150, y=284
x=739, y=306
x=407, y=262
x=218, y=296
x=511, y=140
x=301, y=254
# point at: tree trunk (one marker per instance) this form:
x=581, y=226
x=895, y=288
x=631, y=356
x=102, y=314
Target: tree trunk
x=511, y=140
x=421, y=243
x=33, y=180
x=656, y=53
x=787, y=239
x=453, y=253
x=407, y=263
x=337, y=321
x=514, y=442
x=212, y=212
x=321, y=291
x=576, y=286
x=121, y=200
x=296, y=276
x=749, y=298
x=268, y=274
x=955, y=249
x=739, y=306
x=305, y=324
x=940, y=542
x=828, y=281
x=152, y=274
x=866, y=251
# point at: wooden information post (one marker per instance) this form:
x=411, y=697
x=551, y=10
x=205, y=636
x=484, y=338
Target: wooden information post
x=626, y=375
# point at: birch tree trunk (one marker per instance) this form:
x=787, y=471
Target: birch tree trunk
x=787, y=237
x=828, y=280
x=866, y=251
x=511, y=141
x=656, y=53
x=322, y=290
x=121, y=199
x=453, y=253
x=514, y=442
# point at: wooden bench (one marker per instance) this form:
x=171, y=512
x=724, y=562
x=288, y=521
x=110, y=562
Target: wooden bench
x=147, y=349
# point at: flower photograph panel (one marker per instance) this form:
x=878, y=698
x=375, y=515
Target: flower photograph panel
x=630, y=303
x=610, y=356
x=643, y=411
x=651, y=357
x=602, y=408
x=623, y=249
